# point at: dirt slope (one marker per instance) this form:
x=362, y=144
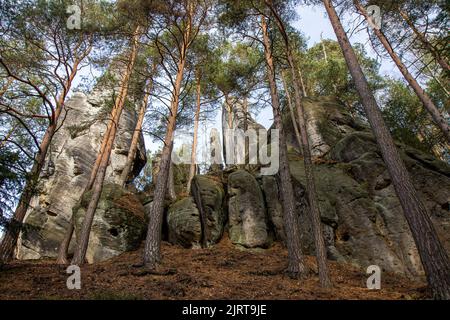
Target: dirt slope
x=222, y=272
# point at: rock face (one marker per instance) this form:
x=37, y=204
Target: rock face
x=118, y=225
x=184, y=219
x=241, y=120
x=246, y=211
x=361, y=215
x=209, y=196
x=68, y=166
x=184, y=226
x=270, y=190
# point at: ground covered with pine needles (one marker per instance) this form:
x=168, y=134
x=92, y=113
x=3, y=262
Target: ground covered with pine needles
x=221, y=272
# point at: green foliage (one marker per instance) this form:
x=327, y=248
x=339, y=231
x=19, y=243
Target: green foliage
x=408, y=120
x=326, y=73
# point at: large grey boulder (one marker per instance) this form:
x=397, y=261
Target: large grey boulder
x=68, y=166
x=246, y=211
x=183, y=221
x=209, y=196
x=118, y=225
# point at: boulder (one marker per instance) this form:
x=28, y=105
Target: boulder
x=118, y=226
x=246, y=211
x=183, y=223
x=209, y=197
x=270, y=190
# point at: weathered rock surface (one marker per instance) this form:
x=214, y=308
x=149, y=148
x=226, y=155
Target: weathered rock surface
x=361, y=215
x=274, y=207
x=118, y=226
x=209, y=196
x=241, y=122
x=68, y=166
x=183, y=221
x=246, y=211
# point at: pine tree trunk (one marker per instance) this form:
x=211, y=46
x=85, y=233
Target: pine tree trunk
x=321, y=252
x=193, y=166
x=291, y=111
x=64, y=246
x=438, y=119
x=444, y=64
x=171, y=183
x=196, y=194
x=124, y=178
x=246, y=141
x=433, y=255
x=311, y=191
x=83, y=241
x=305, y=93
x=296, y=265
x=152, y=251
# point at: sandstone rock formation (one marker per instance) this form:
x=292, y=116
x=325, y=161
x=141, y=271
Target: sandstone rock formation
x=362, y=217
x=72, y=153
x=209, y=197
x=274, y=207
x=246, y=211
x=118, y=225
x=184, y=226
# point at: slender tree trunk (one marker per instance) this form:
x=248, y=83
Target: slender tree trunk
x=444, y=64
x=229, y=110
x=324, y=49
x=305, y=93
x=291, y=111
x=171, y=183
x=64, y=246
x=136, y=134
x=296, y=265
x=432, y=253
x=82, y=245
x=196, y=193
x=12, y=233
x=435, y=78
x=438, y=119
x=246, y=140
x=321, y=252
x=124, y=177
x=152, y=251
x=193, y=166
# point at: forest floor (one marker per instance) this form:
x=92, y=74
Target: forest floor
x=220, y=272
